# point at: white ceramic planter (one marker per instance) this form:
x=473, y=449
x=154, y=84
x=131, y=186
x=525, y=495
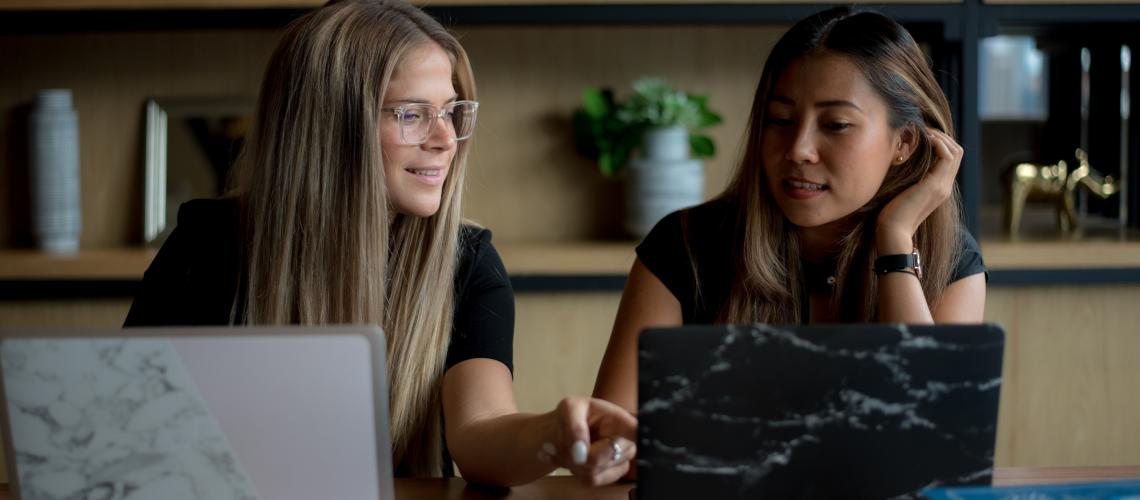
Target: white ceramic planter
x=664, y=180
x=665, y=144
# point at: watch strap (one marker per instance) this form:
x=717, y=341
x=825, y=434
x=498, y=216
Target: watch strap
x=908, y=262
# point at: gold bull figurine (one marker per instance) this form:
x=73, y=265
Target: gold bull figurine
x=1052, y=183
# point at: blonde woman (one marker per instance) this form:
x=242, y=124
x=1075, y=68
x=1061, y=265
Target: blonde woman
x=843, y=208
x=345, y=208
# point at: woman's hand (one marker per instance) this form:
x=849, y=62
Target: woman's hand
x=593, y=438
x=900, y=219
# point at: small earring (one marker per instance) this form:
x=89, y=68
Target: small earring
x=900, y=158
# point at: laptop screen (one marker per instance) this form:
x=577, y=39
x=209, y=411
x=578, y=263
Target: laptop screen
x=843, y=411
x=290, y=413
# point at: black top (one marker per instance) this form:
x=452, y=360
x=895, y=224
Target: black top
x=194, y=278
x=706, y=232
x=194, y=281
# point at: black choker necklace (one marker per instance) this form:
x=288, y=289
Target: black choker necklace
x=819, y=276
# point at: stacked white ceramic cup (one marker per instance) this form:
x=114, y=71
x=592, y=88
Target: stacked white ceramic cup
x=54, y=154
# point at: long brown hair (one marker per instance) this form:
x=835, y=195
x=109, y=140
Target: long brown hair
x=769, y=287
x=323, y=244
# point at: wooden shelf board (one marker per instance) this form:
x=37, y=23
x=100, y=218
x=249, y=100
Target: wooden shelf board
x=1061, y=254
x=1041, y=245
x=109, y=264
x=587, y=258
x=570, y=259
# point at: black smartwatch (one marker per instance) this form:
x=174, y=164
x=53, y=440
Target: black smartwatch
x=903, y=262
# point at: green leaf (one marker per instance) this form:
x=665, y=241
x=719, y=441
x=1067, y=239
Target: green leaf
x=708, y=118
x=606, y=163
x=703, y=146
x=597, y=103
x=623, y=149
x=610, y=131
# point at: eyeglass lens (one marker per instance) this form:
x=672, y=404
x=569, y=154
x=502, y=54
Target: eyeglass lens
x=418, y=120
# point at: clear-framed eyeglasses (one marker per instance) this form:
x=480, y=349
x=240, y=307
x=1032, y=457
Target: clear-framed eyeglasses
x=417, y=120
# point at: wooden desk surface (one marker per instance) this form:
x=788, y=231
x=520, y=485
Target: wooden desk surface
x=566, y=487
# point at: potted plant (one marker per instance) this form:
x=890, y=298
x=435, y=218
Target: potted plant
x=658, y=121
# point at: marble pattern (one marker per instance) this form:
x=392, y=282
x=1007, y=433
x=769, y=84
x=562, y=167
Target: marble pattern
x=818, y=412
x=113, y=419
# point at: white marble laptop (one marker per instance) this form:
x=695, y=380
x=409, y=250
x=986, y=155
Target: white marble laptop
x=196, y=413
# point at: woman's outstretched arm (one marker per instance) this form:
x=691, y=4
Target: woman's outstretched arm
x=645, y=302
x=492, y=443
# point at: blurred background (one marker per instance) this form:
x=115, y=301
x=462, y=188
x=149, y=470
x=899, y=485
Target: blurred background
x=1029, y=83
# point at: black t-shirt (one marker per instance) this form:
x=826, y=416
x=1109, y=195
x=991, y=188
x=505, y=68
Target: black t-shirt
x=194, y=281
x=703, y=236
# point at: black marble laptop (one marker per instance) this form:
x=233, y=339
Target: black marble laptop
x=839, y=411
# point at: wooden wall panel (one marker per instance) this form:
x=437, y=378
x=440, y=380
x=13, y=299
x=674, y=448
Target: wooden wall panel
x=1072, y=375
x=559, y=342
x=530, y=81
x=90, y=313
x=525, y=142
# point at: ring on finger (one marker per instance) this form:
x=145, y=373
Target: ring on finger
x=617, y=450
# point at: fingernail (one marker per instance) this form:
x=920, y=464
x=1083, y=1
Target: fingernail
x=578, y=452
x=549, y=449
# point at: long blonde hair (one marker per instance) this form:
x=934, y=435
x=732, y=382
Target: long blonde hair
x=323, y=244
x=768, y=287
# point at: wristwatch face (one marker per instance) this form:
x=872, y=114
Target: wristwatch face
x=917, y=264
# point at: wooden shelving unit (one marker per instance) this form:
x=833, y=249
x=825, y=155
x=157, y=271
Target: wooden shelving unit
x=954, y=27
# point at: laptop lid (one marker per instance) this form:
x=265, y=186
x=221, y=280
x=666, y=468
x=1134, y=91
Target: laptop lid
x=219, y=413
x=838, y=411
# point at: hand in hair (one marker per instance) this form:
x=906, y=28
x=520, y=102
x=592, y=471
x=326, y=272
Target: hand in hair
x=593, y=438
x=900, y=218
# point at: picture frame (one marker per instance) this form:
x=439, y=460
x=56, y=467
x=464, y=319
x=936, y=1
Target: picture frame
x=190, y=145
